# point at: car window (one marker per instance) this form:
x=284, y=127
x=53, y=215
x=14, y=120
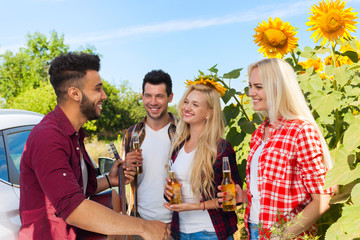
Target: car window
x=15, y=140
x=3, y=165
x=16, y=144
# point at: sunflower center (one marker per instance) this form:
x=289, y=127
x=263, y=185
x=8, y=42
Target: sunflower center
x=331, y=22
x=275, y=38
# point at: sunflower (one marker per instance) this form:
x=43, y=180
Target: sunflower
x=275, y=38
x=207, y=80
x=340, y=60
x=330, y=21
x=317, y=64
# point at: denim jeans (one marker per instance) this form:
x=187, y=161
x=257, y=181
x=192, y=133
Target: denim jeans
x=203, y=235
x=254, y=231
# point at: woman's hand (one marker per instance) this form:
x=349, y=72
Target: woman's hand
x=241, y=195
x=183, y=206
x=168, y=190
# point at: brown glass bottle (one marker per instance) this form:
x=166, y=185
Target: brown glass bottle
x=176, y=198
x=228, y=186
x=136, y=147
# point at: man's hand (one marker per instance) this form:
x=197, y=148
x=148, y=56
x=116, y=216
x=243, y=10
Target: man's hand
x=133, y=159
x=129, y=172
x=155, y=230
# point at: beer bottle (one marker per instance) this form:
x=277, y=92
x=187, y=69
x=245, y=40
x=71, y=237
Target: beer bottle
x=228, y=186
x=176, y=198
x=136, y=147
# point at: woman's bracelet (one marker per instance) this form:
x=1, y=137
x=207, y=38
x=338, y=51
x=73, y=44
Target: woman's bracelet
x=107, y=178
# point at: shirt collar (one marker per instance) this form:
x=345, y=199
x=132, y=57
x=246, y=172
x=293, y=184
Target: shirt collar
x=65, y=123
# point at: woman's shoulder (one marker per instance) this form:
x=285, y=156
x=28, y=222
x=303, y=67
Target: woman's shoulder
x=224, y=146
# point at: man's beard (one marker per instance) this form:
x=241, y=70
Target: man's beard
x=88, y=109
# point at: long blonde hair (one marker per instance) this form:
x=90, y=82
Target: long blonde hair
x=285, y=98
x=202, y=173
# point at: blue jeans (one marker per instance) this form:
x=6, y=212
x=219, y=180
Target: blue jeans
x=254, y=231
x=203, y=235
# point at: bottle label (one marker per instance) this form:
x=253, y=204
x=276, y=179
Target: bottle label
x=230, y=202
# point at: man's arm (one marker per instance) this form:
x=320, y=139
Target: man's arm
x=94, y=217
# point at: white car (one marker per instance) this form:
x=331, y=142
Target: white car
x=15, y=127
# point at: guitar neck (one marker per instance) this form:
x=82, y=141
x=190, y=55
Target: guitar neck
x=121, y=180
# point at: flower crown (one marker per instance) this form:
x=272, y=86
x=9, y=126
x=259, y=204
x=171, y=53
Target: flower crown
x=207, y=80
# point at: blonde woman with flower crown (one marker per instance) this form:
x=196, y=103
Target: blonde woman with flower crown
x=288, y=158
x=197, y=151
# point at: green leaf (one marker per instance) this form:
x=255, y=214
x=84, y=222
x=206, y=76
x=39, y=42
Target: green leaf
x=354, y=66
x=341, y=75
x=233, y=74
x=213, y=69
x=344, y=193
x=321, y=50
x=352, y=137
x=341, y=172
x=355, y=195
x=352, y=91
x=308, y=53
x=228, y=95
x=246, y=126
x=319, y=98
x=235, y=137
x=352, y=55
x=201, y=73
x=347, y=226
x=230, y=112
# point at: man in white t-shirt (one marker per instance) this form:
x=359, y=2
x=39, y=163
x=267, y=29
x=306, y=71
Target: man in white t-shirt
x=155, y=132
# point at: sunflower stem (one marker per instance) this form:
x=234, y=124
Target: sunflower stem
x=294, y=58
x=241, y=106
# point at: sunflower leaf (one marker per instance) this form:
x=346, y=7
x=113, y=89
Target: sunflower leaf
x=213, y=69
x=352, y=55
x=233, y=74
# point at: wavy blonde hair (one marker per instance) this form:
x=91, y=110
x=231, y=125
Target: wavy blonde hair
x=285, y=98
x=202, y=173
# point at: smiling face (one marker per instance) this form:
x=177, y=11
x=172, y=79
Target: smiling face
x=156, y=100
x=257, y=91
x=195, y=109
x=93, y=96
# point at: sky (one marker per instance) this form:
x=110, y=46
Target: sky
x=137, y=36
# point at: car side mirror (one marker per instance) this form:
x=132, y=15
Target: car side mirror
x=105, y=164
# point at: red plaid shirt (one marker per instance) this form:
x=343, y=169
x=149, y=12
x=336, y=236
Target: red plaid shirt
x=290, y=169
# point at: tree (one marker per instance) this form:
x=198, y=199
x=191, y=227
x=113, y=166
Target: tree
x=24, y=84
x=27, y=69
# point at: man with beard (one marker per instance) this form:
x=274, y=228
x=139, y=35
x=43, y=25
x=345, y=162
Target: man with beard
x=56, y=172
x=155, y=132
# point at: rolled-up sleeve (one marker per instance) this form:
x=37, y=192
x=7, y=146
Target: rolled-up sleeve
x=310, y=159
x=52, y=165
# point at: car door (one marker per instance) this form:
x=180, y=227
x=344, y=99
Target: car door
x=12, y=142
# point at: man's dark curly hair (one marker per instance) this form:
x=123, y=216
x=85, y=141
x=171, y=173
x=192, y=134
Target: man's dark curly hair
x=67, y=69
x=157, y=77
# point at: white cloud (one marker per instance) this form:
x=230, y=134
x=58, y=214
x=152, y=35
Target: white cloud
x=286, y=10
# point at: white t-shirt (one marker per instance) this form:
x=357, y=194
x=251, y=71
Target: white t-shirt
x=255, y=199
x=190, y=221
x=151, y=182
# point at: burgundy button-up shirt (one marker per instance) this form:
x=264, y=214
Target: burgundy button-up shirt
x=51, y=184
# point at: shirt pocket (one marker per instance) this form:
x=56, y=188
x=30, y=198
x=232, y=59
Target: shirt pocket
x=275, y=164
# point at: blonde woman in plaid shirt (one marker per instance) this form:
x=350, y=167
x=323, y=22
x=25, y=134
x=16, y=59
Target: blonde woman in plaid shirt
x=288, y=158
